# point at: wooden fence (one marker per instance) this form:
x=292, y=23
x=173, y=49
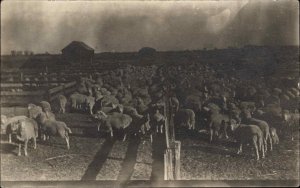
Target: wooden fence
x=172, y=152
x=23, y=98
x=64, y=89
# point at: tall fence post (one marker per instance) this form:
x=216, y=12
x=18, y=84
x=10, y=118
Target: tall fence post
x=177, y=160
x=172, y=153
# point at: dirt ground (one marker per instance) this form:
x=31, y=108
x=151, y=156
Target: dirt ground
x=95, y=157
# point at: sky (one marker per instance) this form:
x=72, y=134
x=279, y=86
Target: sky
x=120, y=26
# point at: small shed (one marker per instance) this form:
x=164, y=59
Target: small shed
x=78, y=52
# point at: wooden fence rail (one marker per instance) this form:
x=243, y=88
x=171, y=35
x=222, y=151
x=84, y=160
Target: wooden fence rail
x=23, y=98
x=65, y=89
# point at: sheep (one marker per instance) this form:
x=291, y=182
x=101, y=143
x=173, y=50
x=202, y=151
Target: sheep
x=56, y=128
x=158, y=121
x=45, y=106
x=174, y=104
x=25, y=129
x=53, y=128
x=108, y=99
x=90, y=102
x=248, y=133
x=217, y=122
x=35, y=113
x=80, y=102
x=274, y=136
x=185, y=118
x=77, y=100
x=291, y=121
x=6, y=124
x=263, y=125
x=113, y=121
x=107, y=109
x=62, y=100
x=141, y=107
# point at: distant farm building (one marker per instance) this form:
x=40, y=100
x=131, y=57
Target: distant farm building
x=78, y=52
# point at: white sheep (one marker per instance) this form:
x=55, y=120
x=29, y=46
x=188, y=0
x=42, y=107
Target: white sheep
x=248, y=134
x=263, y=125
x=185, y=118
x=6, y=124
x=114, y=121
x=25, y=129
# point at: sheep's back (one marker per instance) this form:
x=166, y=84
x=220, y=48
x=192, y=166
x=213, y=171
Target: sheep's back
x=30, y=129
x=246, y=132
x=263, y=125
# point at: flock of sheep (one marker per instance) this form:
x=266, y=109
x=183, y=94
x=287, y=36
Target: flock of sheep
x=132, y=100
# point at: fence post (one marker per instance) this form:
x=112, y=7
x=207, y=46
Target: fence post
x=177, y=160
x=21, y=76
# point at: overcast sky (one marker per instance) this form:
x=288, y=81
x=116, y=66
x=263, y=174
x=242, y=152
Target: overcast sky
x=163, y=25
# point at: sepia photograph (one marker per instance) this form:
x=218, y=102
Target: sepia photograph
x=149, y=93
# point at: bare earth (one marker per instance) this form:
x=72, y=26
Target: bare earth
x=101, y=158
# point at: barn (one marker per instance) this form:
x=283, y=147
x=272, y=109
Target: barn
x=78, y=52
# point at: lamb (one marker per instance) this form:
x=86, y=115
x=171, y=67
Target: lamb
x=25, y=129
x=246, y=134
x=113, y=121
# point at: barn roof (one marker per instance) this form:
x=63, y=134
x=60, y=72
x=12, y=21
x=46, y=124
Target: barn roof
x=80, y=44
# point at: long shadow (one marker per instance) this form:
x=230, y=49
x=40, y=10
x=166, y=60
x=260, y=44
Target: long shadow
x=6, y=148
x=158, y=148
x=130, y=160
x=99, y=159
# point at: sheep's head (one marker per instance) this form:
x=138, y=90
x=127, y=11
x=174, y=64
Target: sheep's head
x=285, y=114
x=233, y=124
x=34, y=110
x=273, y=132
x=16, y=126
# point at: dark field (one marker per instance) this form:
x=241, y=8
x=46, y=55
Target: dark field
x=102, y=158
